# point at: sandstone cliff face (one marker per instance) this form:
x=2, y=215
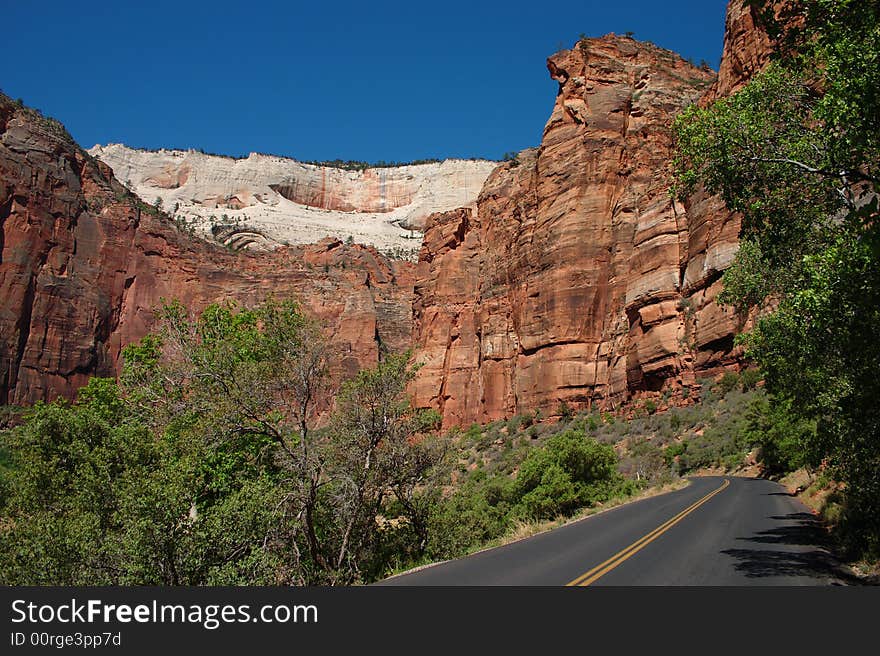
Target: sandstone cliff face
x=574, y=277
x=747, y=47
x=282, y=200
x=83, y=265
x=577, y=278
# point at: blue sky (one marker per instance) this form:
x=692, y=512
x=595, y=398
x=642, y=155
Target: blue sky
x=367, y=80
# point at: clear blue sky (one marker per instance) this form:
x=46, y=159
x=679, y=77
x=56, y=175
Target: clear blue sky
x=366, y=80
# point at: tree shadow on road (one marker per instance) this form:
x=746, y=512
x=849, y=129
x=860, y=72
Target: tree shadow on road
x=798, y=548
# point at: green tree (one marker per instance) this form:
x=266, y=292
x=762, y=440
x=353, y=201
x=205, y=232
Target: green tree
x=374, y=454
x=797, y=152
x=215, y=463
x=66, y=488
x=785, y=439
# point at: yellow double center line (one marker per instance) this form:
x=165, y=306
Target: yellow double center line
x=602, y=569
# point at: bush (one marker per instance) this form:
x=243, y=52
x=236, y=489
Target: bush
x=569, y=472
x=429, y=420
x=749, y=379
x=477, y=512
x=728, y=382
x=474, y=433
x=645, y=461
x=673, y=451
x=564, y=410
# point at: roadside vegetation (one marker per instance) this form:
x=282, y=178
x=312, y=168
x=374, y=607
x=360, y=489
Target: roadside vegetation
x=797, y=153
x=512, y=478
x=225, y=455
x=207, y=463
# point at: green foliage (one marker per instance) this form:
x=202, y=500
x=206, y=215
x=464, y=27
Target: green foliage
x=512, y=157
x=429, y=420
x=797, y=151
x=728, y=382
x=76, y=468
x=205, y=467
x=571, y=471
x=749, y=379
x=477, y=512
x=746, y=282
x=564, y=410
x=721, y=440
x=568, y=472
x=673, y=451
x=591, y=423
x=783, y=436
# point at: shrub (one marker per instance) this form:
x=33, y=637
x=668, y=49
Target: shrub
x=429, y=420
x=749, y=379
x=728, y=382
x=673, y=451
x=569, y=472
x=478, y=511
x=474, y=433
x=564, y=410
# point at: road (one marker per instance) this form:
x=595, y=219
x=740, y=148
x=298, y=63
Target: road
x=716, y=531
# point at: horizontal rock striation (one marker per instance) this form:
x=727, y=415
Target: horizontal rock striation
x=573, y=277
x=83, y=265
x=577, y=279
x=294, y=202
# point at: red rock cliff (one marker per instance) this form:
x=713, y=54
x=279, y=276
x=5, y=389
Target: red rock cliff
x=578, y=279
x=82, y=268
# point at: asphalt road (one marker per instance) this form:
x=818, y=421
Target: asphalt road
x=716, y=531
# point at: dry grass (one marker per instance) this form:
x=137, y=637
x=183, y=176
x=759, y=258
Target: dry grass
x=815, y=492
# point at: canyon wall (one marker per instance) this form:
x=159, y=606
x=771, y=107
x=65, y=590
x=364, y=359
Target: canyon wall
x=577, y=278
x=282, y=200
x=573, y=277
x=83, y=265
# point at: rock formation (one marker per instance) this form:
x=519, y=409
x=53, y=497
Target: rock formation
x=573, y=278
x=577, y=279
x=83, y=264
x=280, y=200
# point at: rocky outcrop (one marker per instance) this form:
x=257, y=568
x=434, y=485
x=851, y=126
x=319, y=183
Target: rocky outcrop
x=289, y=201
x=83, y=264
x=577, y=278
x=747, y=45
x=573, y=278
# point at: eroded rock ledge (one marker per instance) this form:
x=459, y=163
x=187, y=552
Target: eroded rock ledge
x=577, y=278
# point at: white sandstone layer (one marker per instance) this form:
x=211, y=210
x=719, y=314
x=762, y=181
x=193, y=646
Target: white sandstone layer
x=285, y=201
